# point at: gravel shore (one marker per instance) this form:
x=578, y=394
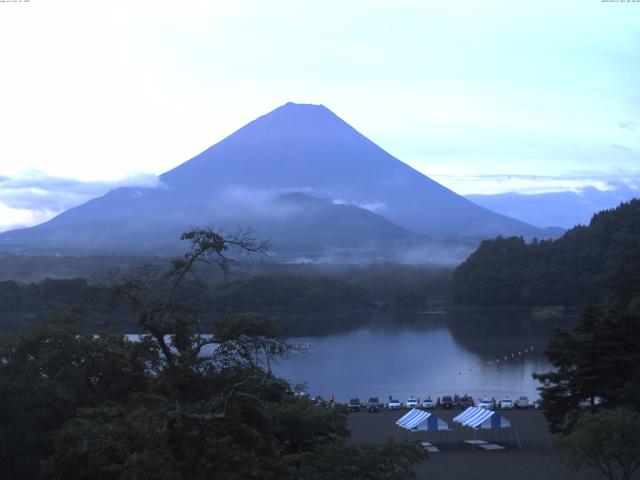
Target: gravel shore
x=456, y=460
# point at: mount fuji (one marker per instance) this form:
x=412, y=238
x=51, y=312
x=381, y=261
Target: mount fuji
x=298, y=154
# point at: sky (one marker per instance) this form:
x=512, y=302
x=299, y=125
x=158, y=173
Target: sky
x=484, y=97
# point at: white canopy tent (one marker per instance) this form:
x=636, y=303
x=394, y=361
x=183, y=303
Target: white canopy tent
x=420, y=421
x=481, y=418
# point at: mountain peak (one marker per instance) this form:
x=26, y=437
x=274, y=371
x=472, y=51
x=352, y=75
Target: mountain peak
x=301, y=139
x=300, y=112
x=295, y=148
x=306, y=147
x=309, y=106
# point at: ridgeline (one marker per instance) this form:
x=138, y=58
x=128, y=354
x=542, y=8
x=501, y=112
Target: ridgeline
x=573, y=270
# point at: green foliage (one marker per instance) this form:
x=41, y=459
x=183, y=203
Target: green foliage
x=401, y=287
x=266, y=294
x=304, y=299
x=599, y=358
x=362, y=462
x=150, y=438
x=21, y=305
x=47, y=374
x=302, y=427
x=100, y=407
x=606, y=441
x=571, y=270
x=34, y=268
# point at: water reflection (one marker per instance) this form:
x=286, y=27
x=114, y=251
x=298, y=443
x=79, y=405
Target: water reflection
x=423, y=355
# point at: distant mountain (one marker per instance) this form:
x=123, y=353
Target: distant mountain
x=295, y=148
x=573, y=270
x=297, y=221
x=556, y=209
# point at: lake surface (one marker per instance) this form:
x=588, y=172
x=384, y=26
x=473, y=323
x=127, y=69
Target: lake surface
x=435, y=360
x=424, y=355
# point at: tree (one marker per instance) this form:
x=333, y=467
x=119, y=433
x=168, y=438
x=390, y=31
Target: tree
x=606, y=441
x=176, y=404
x=49, y=373
x=363, y=462
x=154, y=292
x=571, y=270
x=597, y=363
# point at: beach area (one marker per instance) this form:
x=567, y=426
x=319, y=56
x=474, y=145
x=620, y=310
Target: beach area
x=457, y=460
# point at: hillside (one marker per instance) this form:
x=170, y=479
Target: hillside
x=572, y=270
x=305, y=299
x=302, y=222
x=295, y=148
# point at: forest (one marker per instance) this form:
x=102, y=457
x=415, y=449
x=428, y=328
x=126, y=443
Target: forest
x=590, y=396
x=572, y=270
x=302, y=299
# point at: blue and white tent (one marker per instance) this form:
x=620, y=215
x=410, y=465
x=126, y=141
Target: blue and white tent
x=421, y=420
x=476, y=417
x=479, y=418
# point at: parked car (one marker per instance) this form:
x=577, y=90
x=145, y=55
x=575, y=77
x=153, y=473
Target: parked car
x=428, y=403
x=523, y=402
x=465, y=401
x=506, y=404
x=487, y=402
x=355, y=405
x=394, y=404
x=411, y=403
x=447, y=402
x=373, y=405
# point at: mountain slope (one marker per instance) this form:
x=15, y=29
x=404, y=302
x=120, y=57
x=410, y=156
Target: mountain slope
x=304, y=148
x=309, y=148
x=572, y=270
x=297, y=220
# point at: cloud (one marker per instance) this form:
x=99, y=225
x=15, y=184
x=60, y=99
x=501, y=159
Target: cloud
x=30, y=198
x=239, y=196
x=373, y=206
x=33, y=197
x=628, y=125
x=620, y=147
x=574, y=181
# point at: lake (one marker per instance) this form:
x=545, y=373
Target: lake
x=432, y=358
